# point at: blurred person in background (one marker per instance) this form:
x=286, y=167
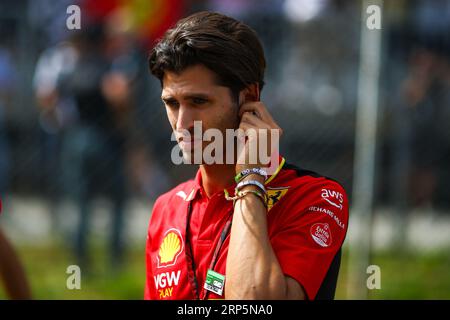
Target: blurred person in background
x=94, y=146
x=425, y=92
x=421, y=121
x=83, y=89
x=56, y=111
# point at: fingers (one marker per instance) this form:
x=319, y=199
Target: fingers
x=250, y=121
x=261, y=112
x=257, y=122
x=254, y=120
x=251, y=107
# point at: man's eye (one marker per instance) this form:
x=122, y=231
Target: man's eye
x=199, y=100
x=171, y=103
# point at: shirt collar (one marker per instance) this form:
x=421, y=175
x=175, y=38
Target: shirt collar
x=198, y=188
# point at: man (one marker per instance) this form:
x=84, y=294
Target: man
x=280, y=237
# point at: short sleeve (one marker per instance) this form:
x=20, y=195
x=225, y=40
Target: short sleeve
x=311, y=230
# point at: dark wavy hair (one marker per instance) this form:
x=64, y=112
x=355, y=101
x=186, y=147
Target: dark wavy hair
x=228, y=47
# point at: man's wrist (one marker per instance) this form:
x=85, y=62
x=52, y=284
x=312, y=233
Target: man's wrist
x=254, y=176
x=240, y=175
x=248, y=194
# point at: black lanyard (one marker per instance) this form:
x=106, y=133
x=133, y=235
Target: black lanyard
x=190, y=254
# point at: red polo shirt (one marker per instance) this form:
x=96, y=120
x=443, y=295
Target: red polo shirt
x=307, y=224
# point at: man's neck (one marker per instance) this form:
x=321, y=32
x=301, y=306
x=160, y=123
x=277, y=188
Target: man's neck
x=217, y=177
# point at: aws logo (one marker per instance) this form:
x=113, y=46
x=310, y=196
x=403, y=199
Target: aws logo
x=334, y=198
x=170, y=248
x=274, y=195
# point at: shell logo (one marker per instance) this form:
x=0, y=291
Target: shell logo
x=170, y=248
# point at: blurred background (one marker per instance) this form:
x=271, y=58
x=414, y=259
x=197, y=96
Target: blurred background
x=85, y=143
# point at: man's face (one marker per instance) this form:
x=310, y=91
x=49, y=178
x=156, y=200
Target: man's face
x=194, y=95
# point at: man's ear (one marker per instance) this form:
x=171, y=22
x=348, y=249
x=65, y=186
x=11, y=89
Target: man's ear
x=249, y=94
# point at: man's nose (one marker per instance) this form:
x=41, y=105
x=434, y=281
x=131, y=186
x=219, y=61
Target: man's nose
x=185, y=120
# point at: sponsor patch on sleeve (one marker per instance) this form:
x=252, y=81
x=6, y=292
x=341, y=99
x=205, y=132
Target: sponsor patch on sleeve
x=321, y=234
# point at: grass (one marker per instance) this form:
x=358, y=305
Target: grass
x=407, y=275
x=46, y=269
x=403, y=276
